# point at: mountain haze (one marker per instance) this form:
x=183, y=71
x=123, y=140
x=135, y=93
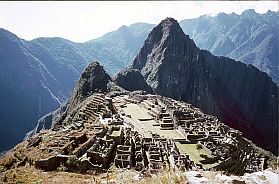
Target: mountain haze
x=28, y=90
x=38, y=75
x=251, y=38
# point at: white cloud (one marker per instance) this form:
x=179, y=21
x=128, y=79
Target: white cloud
x=82, y=21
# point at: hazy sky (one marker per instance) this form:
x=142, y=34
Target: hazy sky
x=82, y=21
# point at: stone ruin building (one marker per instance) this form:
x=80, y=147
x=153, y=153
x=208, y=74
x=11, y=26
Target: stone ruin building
x=98, y=137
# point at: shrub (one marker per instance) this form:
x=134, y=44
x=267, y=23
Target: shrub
x=72, y=163
x=2, y=168
x=199, y=146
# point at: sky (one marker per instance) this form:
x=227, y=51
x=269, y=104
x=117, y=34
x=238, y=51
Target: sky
x=86, y=20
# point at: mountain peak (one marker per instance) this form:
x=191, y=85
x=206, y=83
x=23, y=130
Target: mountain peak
x=168, y=21
x=169, y=27
x=93, y=79
x=249, y=13
x=123, y=27
x=167, y=35
x=169, y=24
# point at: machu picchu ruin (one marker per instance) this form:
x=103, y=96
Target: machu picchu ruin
x=141, y=131
x=175, y=114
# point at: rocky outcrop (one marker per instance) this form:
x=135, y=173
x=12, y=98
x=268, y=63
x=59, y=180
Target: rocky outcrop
x=93, y=79
x=238, y=94
x=132, y=80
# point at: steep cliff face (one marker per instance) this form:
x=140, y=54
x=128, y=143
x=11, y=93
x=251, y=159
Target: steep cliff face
x=239, y=94
x=131, y=80
x=27, y=90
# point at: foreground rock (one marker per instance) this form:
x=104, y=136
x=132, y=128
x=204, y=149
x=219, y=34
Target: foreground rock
x=132, y=80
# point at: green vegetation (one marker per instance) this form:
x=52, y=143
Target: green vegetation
x=199, y=146
x=196, y=153
x=72, y=163
x=145, y=127
x=116, y=133
x=2, y=168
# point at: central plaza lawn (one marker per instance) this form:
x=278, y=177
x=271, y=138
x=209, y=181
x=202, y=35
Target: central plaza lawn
x=195, y=153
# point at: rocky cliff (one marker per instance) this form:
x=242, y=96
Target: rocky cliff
x=93, y=79
x=132, y=80
x=239, y=94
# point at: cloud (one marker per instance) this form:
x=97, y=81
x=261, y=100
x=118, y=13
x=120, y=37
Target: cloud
x=85, y=20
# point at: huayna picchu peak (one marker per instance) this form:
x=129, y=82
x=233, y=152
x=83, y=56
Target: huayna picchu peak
x=167, y=32
x=177, y=114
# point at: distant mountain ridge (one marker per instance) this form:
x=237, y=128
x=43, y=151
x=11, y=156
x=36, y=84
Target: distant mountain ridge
x=251, y=38
x=28, y=89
